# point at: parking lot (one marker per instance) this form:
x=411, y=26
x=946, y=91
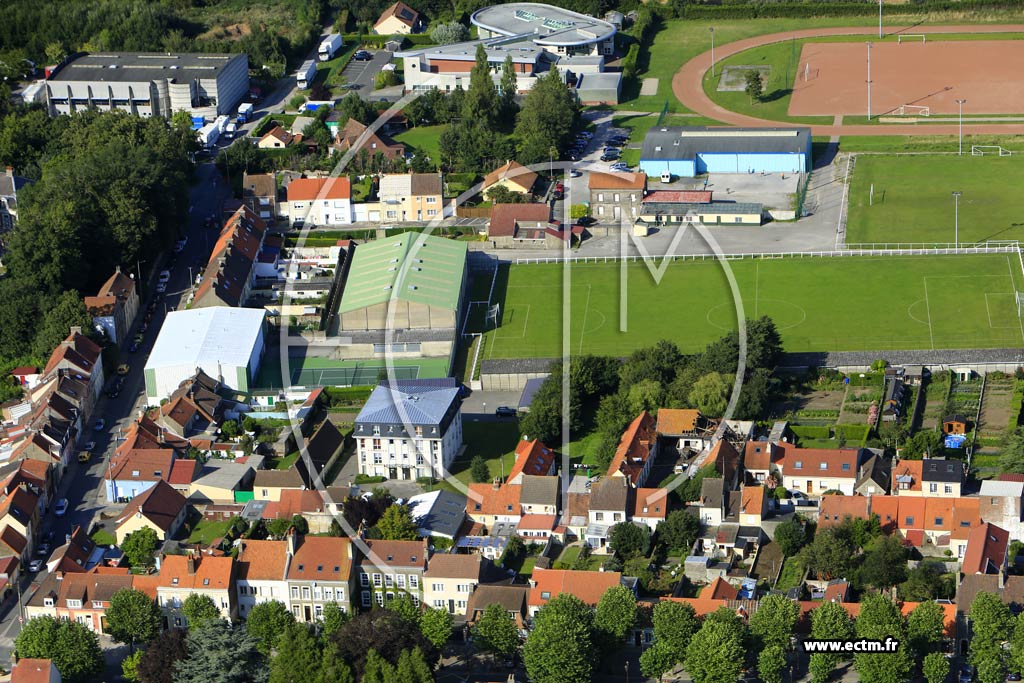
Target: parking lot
x=361, y=76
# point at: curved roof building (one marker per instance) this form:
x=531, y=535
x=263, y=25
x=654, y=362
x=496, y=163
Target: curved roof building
x=553, y=27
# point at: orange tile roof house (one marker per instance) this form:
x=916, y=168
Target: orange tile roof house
x=636, y=452
x=183, y=575
x=391, y=568
x=398, y=19
x=546, y=584
x=719, y=589
x=753, y=505
x=616, y=195
x=276, y=138
x=114, y=307
x=29, y=670
x=450, y=579
x=987, y=546
x=260, y=570
x=906, y=478
x=73, y=556
x=832, y=510
x=511, y=175
x=134, y=471
x=490, y=504
x=319, y=201
x=690, y=428
x=816, y=470
x=160, y=508
x=533, y=458
x=518, y=225
x=230, y=273
x=650, y=507
x=319, y=571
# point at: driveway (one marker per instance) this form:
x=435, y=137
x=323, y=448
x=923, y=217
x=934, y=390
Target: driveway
x=361, y=76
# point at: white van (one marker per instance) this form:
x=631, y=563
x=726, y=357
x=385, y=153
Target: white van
x=666, y=177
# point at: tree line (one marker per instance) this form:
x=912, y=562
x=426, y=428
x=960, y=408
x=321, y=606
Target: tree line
x=615, y=391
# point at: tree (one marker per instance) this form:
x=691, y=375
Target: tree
x=481, y=104
x=546, y=119
x=437, y=626
x=133, y=617
x=478, y=469
x=412, y=667
x=1012, y=458
x=644, y=395
x=229, y=429
x=499, y=194
x=674, y=626
x=496, y=632
x=716, y=653
x=67, y=311
x=771, y=662
x=560, y=648
x=880, y=619
x=790, y=536
x=992, y=625
x=298, y=656
x=72, y=647
x=829, y=621
x=507, y=107
x=334, y=618
x=773, y=622
x=219, y=652
x=266, y=623
x=614, y=618
x=935, y=668
x=711, y=394
x=383, y=631
x=924, y=582
x=926, y=441
x=451, y=32
x=829, y=555
x=754, y=86
x=198, y=609
x=405, y=608
x=885, y=563
x=396, y=524
x=679, y=530
x=925, y=628
x=334, y=669
x=1017, y=645
x=130, y=666
x=629, y=540
x=140, y=547
x=161, y=657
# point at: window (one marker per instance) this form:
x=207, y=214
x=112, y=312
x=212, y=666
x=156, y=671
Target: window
x=380, y=598
x=295, y=592
x=401, y=580
x=389, y=580
x=617, y=516
x=414, y=581
x=376, y=432
x=328, y=593
x=933, y=487
x=437, y=587
x=439, y=604
x=377, y=580
x=798, y=465
x=599, y=516
x=364, y=580
x=378, y=459
x=909, y=521
x=464, y=587
x=737, y=219
x=545, y=595
x=431, y=200
x=823, y=466
x=846, y=467
x=390, y=596
x=366, y=598
x=938, y=521
x=948, y=488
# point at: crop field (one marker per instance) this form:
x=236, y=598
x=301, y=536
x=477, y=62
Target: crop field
x=818, y=304
x=913, y=199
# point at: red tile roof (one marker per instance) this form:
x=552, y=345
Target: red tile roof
x=617, y=181
x=505, y=218
x=160, y=504
x=834, y=509
x=448, y=566
x=834, y=463
x=634, y=448
x=208, y=572
x=910, y=471
x=719, y=589
x=679, y=196
x=986, y=549
x=30, y=670
x=532, y=457
x=324, y=558
x=752, y=500
x=587, y=586
x=650, y=503
x=537, y=522
x=232, y=259
x=484, y=499
x=261, y=560
x=183, y=472
x=401, y=11
x=398, y=553
x=513, y=172
x=76, y=350
x=142, y=465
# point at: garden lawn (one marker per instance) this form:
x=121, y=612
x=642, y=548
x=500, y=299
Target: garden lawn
x=494, y=441
x=790, y=576
x=103, y=537
x=208, y=530
x=913, y=198
x=818, y=304
x=423, y=140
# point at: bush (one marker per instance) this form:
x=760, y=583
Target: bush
x=446, y=34
x=367, y=479
x=385, y=79
x=297, y=101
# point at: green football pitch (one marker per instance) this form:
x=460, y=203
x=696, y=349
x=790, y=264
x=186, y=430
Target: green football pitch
x=913, y=200
x=818, y=304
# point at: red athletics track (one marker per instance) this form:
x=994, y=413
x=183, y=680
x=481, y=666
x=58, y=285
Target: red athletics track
x=688, y=89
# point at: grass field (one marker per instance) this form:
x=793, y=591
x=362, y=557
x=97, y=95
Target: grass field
x=315, y=371
x=913, y=200
x=423, y=140
x=828, y=304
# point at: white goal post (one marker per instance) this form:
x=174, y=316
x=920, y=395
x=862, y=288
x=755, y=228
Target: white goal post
x=982, y=150
x=914, y=37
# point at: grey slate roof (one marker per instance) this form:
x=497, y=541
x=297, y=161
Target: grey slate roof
x=539, y=490
x=681, y=209
x=611, y=493
x=661, y=143
x=144, y=66
x=438, y=515
x=426, y=403
x=946, y=471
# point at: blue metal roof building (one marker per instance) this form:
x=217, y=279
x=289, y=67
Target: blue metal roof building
x=689, y=151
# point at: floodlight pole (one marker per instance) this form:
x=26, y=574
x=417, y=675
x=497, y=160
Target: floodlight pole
x=712, y=30
x=879, y=19
x=869, y=80
x=956, y=218
x=961, y=106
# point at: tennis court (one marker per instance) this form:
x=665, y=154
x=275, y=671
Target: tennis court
x=323, y=372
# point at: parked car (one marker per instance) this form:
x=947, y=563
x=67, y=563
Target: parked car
x=123, y=369
x=165, y=275
x=161, y=287
x=610, y=156
x=99, y=424
x=84, y=456
x=35, y=565
x=43, y=550
x=61, y=508
x=89, y=445
x=362, y=56
x=575, y=173
x=505, y=411
x=585, y=134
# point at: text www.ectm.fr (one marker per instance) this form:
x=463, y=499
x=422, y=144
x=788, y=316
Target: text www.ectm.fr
x=851, y=646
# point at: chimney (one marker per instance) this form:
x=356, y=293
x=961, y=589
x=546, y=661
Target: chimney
x=290, y=537
x=9, y=171
x=496, y=484
x=190, y=565
x=76, y=330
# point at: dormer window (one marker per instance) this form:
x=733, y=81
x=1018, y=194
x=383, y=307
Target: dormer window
x=823, y=466
x=206, y=582
x=174, y=581
x=798, y=465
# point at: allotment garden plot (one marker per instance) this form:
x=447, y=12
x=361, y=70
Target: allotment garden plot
x=818, y=304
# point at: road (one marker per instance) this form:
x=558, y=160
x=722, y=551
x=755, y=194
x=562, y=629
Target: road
x=82, y=485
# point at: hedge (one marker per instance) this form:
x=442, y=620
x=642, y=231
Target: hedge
x=796, y=10
x=1016, y=405
x=812, y=432
x=336, y=395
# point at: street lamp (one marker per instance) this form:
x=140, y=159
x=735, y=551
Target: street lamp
x=712, y=30
x=956, y=217
x=960, y=103
x=879, y=19
x=869, y=80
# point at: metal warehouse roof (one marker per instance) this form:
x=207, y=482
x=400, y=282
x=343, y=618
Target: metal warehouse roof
x=411, y=267
x=143, y=66
x=683, y=209
x=414, y=401
x=686, y=142
x=550, y=25
x=204, y=337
